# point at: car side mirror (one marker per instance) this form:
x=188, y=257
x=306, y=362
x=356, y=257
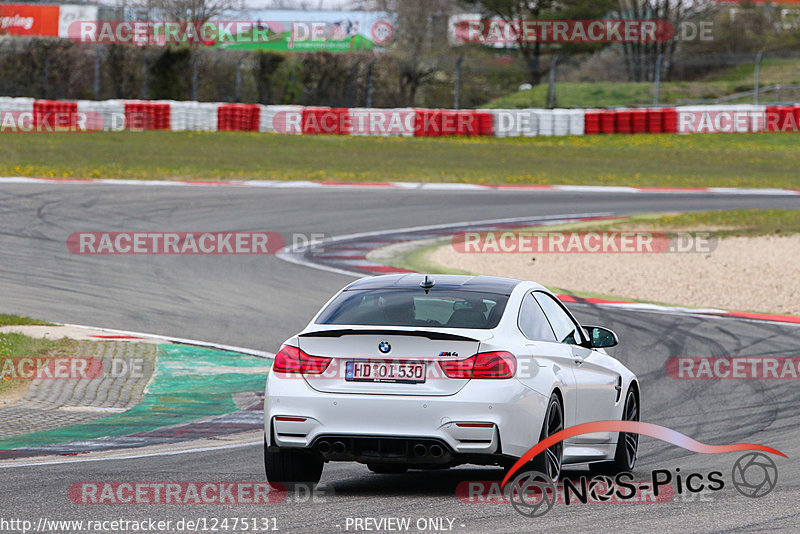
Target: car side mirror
x=601, y=338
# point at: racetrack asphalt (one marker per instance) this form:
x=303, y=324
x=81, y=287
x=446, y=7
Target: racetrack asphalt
x=258, y=301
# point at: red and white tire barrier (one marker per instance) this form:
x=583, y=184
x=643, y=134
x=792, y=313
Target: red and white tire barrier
x=30, y=115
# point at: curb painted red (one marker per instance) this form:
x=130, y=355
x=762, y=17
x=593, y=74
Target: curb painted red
x=442, y=186
x=571, y=299
x=763, y=317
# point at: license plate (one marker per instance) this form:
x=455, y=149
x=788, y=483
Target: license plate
x=395, y=372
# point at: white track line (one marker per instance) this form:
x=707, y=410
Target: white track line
x=133, y=456
x=401, y=186
x=290, y=254
x=180, y=340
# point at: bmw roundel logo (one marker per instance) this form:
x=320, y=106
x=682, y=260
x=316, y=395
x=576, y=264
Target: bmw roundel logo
x=384, y=347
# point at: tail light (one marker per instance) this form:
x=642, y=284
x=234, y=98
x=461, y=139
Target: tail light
x=499, y=364
x=293, y=360
x=494, y=365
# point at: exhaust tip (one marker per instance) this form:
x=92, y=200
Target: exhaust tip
x=339, y=447
x=420, y=449
x=436, y=451
x=324, y=447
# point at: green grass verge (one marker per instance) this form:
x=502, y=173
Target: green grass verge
x=721, y=223
x=416, y=259
x=727, y=223
x=9, y=319
x=772, y=71
x=610, y=94
x=728, y=160
x=20, y=346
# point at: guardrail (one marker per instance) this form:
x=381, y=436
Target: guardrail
x=30, y=115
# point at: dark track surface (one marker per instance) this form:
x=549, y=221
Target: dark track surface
x=259, y=301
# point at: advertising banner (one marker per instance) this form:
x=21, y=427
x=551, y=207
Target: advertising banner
x=72, y=13
x=313, y=31
x=28, y=19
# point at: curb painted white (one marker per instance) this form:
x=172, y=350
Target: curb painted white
x=178, y=340
x=290, y=254
x=395, y=186
x=133, y=456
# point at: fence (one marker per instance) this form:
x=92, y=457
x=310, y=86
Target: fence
x=53, y=69
x=60, y=69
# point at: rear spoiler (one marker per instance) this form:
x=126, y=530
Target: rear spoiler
x=438, y=336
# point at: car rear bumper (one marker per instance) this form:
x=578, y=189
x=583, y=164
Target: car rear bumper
x=486, y=417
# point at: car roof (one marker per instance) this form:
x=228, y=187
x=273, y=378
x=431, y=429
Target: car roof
x=486, y=284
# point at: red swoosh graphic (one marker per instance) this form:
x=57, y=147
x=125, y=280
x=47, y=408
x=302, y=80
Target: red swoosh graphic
x=634, y=427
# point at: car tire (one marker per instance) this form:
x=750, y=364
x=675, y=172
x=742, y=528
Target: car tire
x=627, y=444
x=549, y=462
x=288, y=469
x=387, y=469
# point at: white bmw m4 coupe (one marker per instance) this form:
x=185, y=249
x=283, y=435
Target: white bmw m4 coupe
x=432, y=371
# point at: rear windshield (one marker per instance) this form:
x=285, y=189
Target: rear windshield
x=412, y=307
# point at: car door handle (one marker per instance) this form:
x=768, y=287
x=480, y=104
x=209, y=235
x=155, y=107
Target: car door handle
x=578, y=362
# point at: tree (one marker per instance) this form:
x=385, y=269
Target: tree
x=188, y=13
x=196, y=11
x=166, y=74
x=514, y=11
x=420, y=35
x=641, y=58
x=266, y=64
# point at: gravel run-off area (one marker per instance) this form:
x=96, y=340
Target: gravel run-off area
x=760, y=274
